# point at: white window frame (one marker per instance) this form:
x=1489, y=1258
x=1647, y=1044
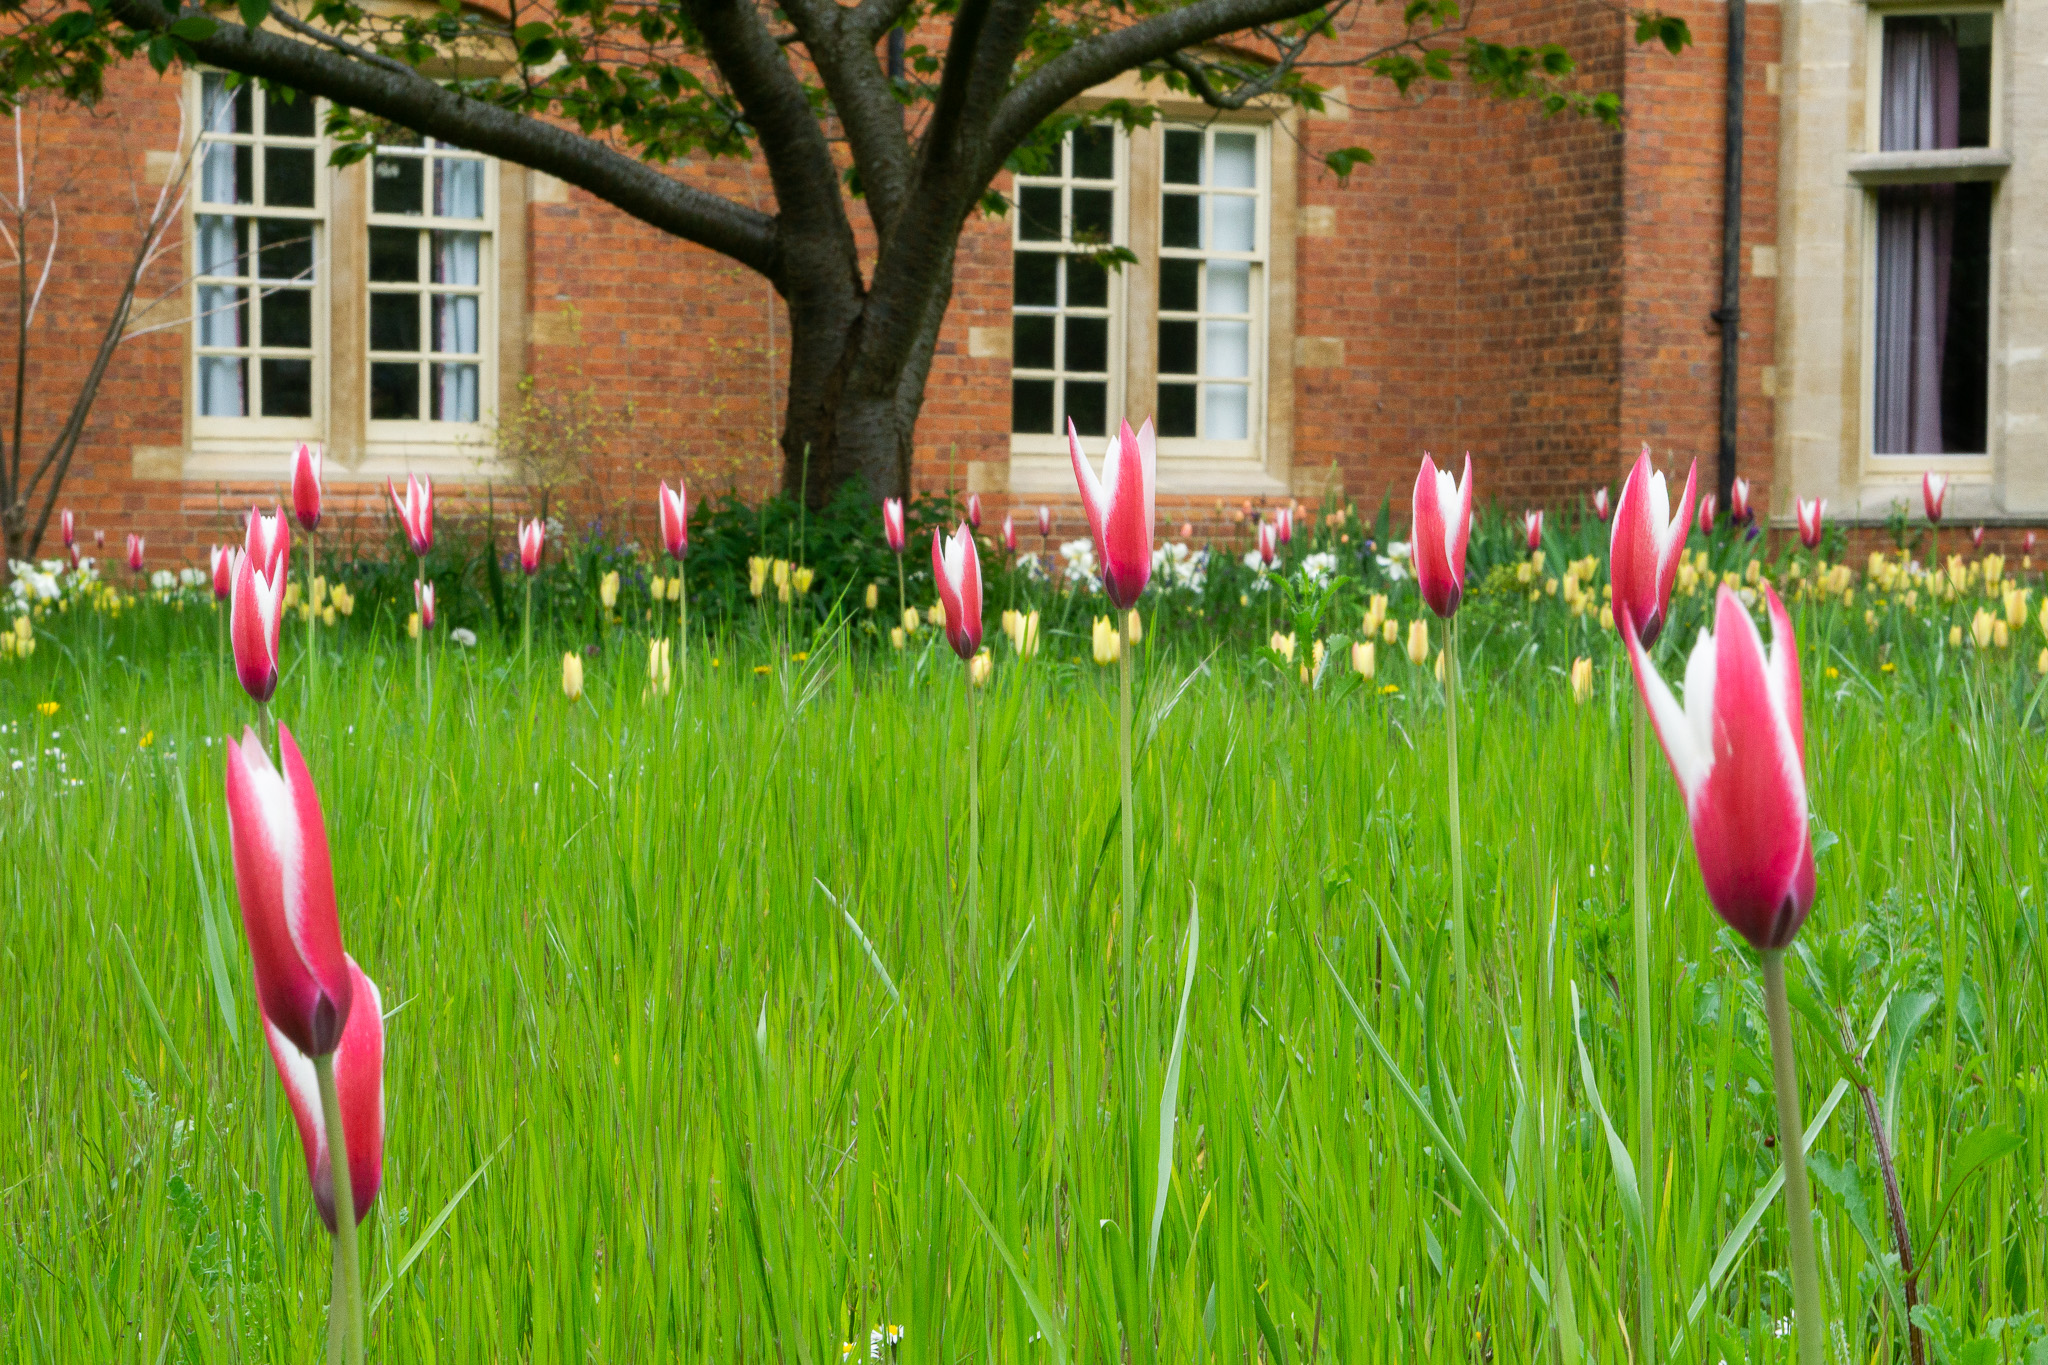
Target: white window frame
x=255, y=431
x=426, y=435
x=1876, y=169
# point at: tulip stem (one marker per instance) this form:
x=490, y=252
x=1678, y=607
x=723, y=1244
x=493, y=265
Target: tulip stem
x=1646, y=1132
x=348, y=1283
x=973, y=824
x=1806, y=1308
x=312, y=624
x=1457, y=824
x=1123, y=734
x=526, y=636
x=220, y=647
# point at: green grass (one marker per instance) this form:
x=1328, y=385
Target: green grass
x=698, y=983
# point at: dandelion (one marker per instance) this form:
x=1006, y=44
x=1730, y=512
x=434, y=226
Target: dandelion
x=1390, y=690
x=761, y=670
x=148, y=738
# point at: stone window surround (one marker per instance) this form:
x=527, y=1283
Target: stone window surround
x=341, y=392
x=1824, y=367
x=1038, y=472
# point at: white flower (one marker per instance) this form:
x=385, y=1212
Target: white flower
x=1176, y=566
x=1394, y=563
x=1028, y=565
x=1080, y=570
x=1319, y=568
x=163, y=580
x=191, y=578
x=463, y=636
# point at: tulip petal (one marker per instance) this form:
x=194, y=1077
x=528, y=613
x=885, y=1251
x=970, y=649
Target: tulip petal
x=1690, y=759
x=359, y=1085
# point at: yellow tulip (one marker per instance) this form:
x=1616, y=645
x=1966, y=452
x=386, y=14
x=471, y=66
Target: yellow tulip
x=1955, y=637
x=319, y=593
x=874, y=596
x=1582, y=680
x=412, y=626
x=1364, y=659
x=896, y=637
x=2001, y=635
x=781, y=569
x=1283, y=645
x=801, y=579
x=1108, y=644
x=1994, y=569
x=1027, y=637
x=1418, y=642
x=2041, y=664
x=1137, y=627
x=572, y=675
x=24, y=630
x=1607, y=618
x=2015, y=601
x=911, y=621
x=7, y=643
x=1980, y=628
x=327, y=615
x=657, y=667
x=1315, y=658
x=657, y=588
x=608, y=589
x=1390, y=631
x=291, y=595
x=757, y=574
x=979, y=667
x=1439, y=666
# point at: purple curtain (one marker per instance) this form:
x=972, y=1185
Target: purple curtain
x=1915, y=237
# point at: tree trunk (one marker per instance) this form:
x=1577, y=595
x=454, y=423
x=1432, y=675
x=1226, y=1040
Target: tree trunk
x=849, y=416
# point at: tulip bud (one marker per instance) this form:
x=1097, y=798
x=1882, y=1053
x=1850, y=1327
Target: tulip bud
x=911, y=621
x=1044, y=521
x=1980, y=628
x=956, y=565
x=1364, y=659
x=1532, y=528
x=306, y=462
x=1738, y=503
x=1107, y=642
x=896, y=637
x=135, y=548
x=415, y=512
x=974, y=511
x=2041, y=664
x=1582, y=680
x=532, y=538
x=1027, y=638
x=1418, y=642
x=657, y=667
x=979, y=668
x=757, y=574
x=1137, y=627
x=223, y=563
x=1121, y=507
x=1390, y=631
x=1955, y=637
x=674, y=508
x=892, y=527
x=874, y=598
x=1709, y=505
x=423, y=598
x=572, y=675
x=801, y=579
x=1443, y=525
x=255, y=625
x=1283, y=645
x=68, y=527
x=1602, y=507
x=1438, y=667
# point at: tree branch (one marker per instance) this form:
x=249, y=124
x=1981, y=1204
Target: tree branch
x=867, y=107
x=415, y=102
x=1039, y=96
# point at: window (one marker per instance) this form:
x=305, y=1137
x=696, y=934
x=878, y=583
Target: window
x=428, y=260
x=1062, y=364
x=257, y=237
x=1932, y=291
x=1211, y=281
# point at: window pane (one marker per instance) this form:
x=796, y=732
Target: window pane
x=219, y=245
x=1093, y=215
x=1183, y=157
x=1036, y=279
x=1176, y=347
x=1088, y=345
x=222, y=315
x=1233, y=220
x=1031, y=406
x=455, y=393
x=394, y=255
x=1031, y=342
x=222, y=386
x=1936, y=82
x=458, y=188
x=1179, y=283
x=395, y=392
x=457, y=257
x=1038, y=210
x=287, y=388
x=1095, y=152
x=1933, y=319
x=1228, y=409
x=398, y=184
x=1230, y=287
x=287, y=321
x=288, y=177
x=394, y=322
x=1088, y=407
x=224, y=174
x=1228, y=354
x=1181, y=221
x=455, y=325
x=1087, y=283
x=1235, y=162
x=284, y=249
x=287, y=115
x=1176, y=409
x=226, y=111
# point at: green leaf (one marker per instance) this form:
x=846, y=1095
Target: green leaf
x=194, y=28
x=413, y=1252
x=1617, y=1150
x=1345, y=160
x=1169, y=1093
x=1846, y=1184
x=254, y=12
x=1048, y=1323
x=1652, y=26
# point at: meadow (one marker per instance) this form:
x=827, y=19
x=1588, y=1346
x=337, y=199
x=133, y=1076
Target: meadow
x=701, y=1044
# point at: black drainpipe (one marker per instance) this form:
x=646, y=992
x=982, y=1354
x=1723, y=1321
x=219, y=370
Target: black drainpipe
x=1729, y=314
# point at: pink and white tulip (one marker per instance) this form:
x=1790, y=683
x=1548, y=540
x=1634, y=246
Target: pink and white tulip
x=255, y=621
x=1976, y=537
x=1269, y=543
x=1532, y=528
x=415, y=512
x=423, y=601
x=1933, y=493
x=675, y=519
x=306, y=463
x=1737, y=746
x=1811, y=510
x=892, y=524
x=532, y=539
x=135, y=547
x=956, y=564
x=222, y=561
x=1443, y=524
x=1602, y=507
x=1121, y=508
x=268, y=541
x=67, y=527
x=1646, y=545
x=1283, y=523
x=974, y=510
x=285, y=881
x=1739, y=512
x=1044, y=522
x=358, y=1084
x=1009, y=533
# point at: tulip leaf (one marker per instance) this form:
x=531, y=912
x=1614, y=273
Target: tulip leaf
x=149, y=1003
x=1169, y=1092
x=216, y=959
x=874, y=958
x=412, y=1252
x=1048, y=1323
x=1617, y=1150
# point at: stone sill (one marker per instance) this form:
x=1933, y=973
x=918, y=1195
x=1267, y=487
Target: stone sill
x=1929, y=168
